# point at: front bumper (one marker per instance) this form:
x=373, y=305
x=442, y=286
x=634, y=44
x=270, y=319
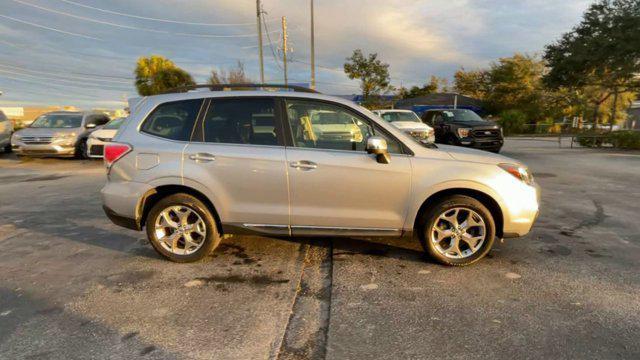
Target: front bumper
x=51, y=149
x=521, y=210
x=489, y=143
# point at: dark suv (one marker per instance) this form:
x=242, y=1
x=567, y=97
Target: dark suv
x=464, y=128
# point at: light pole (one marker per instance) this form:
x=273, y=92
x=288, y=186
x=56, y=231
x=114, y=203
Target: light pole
x=313, y=51
x=284, y=48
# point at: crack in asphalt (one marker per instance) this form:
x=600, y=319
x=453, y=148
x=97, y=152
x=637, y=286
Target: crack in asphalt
x=306, y=333
x=597, y=218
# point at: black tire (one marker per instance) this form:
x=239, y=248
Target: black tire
x=495, y=150
x=7, y=149
x=211, y=240
x=431, y=215
x=81, y=149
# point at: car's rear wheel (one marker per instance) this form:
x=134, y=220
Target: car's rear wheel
x=182, y=229
x=458, y=230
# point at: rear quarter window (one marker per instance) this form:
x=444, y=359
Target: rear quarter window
x=173, y=120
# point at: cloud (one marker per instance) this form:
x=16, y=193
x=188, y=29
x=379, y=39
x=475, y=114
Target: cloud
x=417, y=38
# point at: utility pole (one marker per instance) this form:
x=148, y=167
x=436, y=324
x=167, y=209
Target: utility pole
x=284, y=47
x=259, y=13
x=313, y=52
x=614, y=109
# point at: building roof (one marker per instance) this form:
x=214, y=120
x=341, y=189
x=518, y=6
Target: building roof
x=439, y=99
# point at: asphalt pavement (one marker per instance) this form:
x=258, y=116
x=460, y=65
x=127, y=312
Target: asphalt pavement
x=74, y=286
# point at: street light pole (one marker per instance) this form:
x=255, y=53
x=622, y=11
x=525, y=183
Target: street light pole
x=259, y=13
x=313, y=51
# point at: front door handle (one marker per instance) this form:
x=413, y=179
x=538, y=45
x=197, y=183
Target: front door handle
x=202, y=157
x=303, y=165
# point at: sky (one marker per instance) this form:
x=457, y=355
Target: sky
x=83, y=52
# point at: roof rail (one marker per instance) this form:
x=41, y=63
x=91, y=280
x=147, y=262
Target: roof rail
x=223, y=87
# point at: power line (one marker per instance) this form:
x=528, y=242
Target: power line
x=50, y=28
x=108, y=23
x=43, y=92
x=156, y=19
x=273, y=52
x=67, y=81
x=82, y=78
x=49, y=86
x=48, y=50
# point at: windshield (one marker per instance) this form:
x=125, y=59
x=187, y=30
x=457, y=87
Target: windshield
x=114, y=124
x=460, y=115
x=400, y=116
x=57, y=121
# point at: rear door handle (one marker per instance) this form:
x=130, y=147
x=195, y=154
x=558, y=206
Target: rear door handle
x=202, y=157
x=303, y=165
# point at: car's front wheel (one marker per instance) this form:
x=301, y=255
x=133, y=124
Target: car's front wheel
x=182, y=229
x=81, y=149
x=458, y=230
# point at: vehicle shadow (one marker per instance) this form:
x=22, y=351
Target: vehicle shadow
x=394, y=248
x=122, y=240
x=33, y=328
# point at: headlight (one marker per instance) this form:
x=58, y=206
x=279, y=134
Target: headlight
x=463, y=132
x=64, y=136
x=519, y=172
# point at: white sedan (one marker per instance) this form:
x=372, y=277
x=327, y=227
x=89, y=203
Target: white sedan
x=409, y=122
x=97, y=139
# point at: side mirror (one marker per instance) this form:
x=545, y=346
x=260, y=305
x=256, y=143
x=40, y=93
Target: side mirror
x=90, y=126
x=378, y=146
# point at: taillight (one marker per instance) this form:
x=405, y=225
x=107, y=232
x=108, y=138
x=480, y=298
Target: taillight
x=114, y=151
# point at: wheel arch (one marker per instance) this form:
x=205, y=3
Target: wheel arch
x=156, y=194
x=486, y=200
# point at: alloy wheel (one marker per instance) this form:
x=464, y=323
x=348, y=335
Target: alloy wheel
x=458, y=233
x=180, y=230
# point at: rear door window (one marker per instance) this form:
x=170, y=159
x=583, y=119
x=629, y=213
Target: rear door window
x=241, y=121
x=173, y=120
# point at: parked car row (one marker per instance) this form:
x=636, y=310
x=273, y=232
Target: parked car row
x=83, y=134
x=459, y=127
x=79, y=134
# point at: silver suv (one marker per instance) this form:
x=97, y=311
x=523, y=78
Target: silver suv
x=58, y=133
x=192, y=167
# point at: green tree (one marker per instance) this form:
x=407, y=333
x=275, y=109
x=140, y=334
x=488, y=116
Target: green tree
x=235, y=75
x=602, y=52
x=471, y=83
x=372, y=73
x=513, y=85
x=516, y=83
x=434, y=85
x=156, y=74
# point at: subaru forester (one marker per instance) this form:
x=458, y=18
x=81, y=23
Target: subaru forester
x=190, y=167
